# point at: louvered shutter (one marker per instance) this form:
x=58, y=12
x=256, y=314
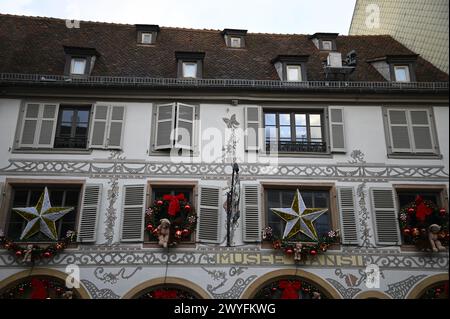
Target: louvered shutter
x=347, y=215
x=165, y=117
x=184, y=135
x=421, y=131
x=399, y=131
x=47, y=125
x=29, y=124
x=133, y=213
x=90, y=210
x=252, y=125
x=115, y=130
x=251, y=214
x=2, y=185
x=337, y=132
x=209, y=215
x=385, y=216
x=99, y=126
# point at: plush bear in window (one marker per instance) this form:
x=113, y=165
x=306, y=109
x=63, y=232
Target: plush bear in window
x=433, y=237
x=163, y=232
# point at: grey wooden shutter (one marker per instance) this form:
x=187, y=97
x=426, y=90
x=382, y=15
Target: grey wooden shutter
x=116, y=123
x=385, y=216
x=421, y=131
x=47, y=125
x=399, y=131
x=347, y=215
x=165, y=117
x=2, y=185
x=252, y=125
x=184, y=135
x=99, y=126
x=90, y=210
x=29, y=125
x=209, y=215
x=337, y=132
x=251, y=214
x=133, y=213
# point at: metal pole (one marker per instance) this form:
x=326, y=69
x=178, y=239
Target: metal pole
x=230, y=203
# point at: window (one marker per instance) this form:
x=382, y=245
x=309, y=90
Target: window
x=401, y=73
x=281, y=198
x=78, y=66
x=293, y=73
x=295, y=131
x=28, y=196
x=146, y=38
x=158, y=192
x=235, y=42
x=410, y=131
x=327, y=45
x=189, y=69
x=72, y=128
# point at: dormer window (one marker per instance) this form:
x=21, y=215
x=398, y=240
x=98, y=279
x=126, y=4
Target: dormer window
x=401, y=73
x=291, y=67
x=78, y=66
x=80, y=61
x=234, y=38
x=327, y=45
x=190, y=64
x=324, y=41
x=147, y=33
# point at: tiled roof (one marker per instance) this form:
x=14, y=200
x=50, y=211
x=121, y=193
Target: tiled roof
x=35, y=45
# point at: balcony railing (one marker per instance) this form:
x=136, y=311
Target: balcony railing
x=295, y=147
x=70, y=142
x=17, y=78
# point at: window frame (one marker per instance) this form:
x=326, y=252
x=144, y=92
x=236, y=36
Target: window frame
x=146, y=34
x=327, y=41
x=292, y=185
x=74, y=60
x=297, y=67
x=186, y=63
x=407, y=73
x=73, y=128
x=411, y=153
x=7, y=204
x=180, y=184
x=235, y=38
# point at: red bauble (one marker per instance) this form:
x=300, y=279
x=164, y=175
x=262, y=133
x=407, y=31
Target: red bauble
x=186, y=232
x=406, y=231
x=411, y=210
x=58, y=290
x=289, y=251
x=21, y=290
x=442, y=212
x=187, y=207
x=155, y=232
x=178, y=233
x=19, y=253
x=313, y=252
x=159, y=202
x=150, y=227
x=47, y=254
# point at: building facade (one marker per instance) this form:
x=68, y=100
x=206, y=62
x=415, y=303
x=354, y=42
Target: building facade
x=125, y=124
x=422, y=26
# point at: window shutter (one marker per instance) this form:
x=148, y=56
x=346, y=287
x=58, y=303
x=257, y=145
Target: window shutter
x=99, y=126
x=116, y=127
x=399, y=132
x=90, y=209
x=133, y=213
x=421, y=131
x=251, y=214
x=165, y=117
x=252, y=125
x=337, y=132
x=47, y=125
x=2, y=185
x=347, y=215
x=184, y=126
x=385, y=216
x=29, y=125
x=209, y=215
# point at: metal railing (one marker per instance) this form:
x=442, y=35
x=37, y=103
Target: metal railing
x=295, y=147
x=18, y=78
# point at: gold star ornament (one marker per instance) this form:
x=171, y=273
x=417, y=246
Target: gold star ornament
x=42, y=217
x=299, y=218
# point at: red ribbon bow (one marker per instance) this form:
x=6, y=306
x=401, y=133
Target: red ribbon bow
x=38, y=289
x=174, y=203
x=165, y=294
x=290, y=289
x=422, y=210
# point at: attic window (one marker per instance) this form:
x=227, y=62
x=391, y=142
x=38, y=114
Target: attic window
x=146, y=38
x=234, y=38
x=147, y=33
x=324, y=41
x=291, y=67
x=80, y=61
x=327, y=45
x=78, y=66
x=396, y=68
x=190, y=64
x=293, y=73
x=401, y=73
x=189, y=69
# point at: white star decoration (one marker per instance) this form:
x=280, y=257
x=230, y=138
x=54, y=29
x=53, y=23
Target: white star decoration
x=42, y=217
x=299, y=218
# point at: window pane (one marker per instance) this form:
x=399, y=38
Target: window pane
x=300, y=119
x=293, y=73
x=401, y=74
x=270, y=119
x=78, y=66
x=271, y=132
x=65, y=129
x=300, y=133
x=285, y=133
x=285, y=119
x=81, y=129
x=236, y=42
x=189, y=70
x=83, y=116
x=314, y=119
x=146, y=38
x=326, y=45
x=316, y=133
x=67, y=115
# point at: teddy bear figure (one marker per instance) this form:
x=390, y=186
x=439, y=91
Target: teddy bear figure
x=163, y=232
x=433, y=237
x=67, y=295
x=298, y=252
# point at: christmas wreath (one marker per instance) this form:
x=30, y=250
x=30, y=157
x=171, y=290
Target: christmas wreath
x=31, y=252
x=301, y=250
x=170, y=219
x=424, y=225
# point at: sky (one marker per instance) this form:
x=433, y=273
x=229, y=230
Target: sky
x=271, y=16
